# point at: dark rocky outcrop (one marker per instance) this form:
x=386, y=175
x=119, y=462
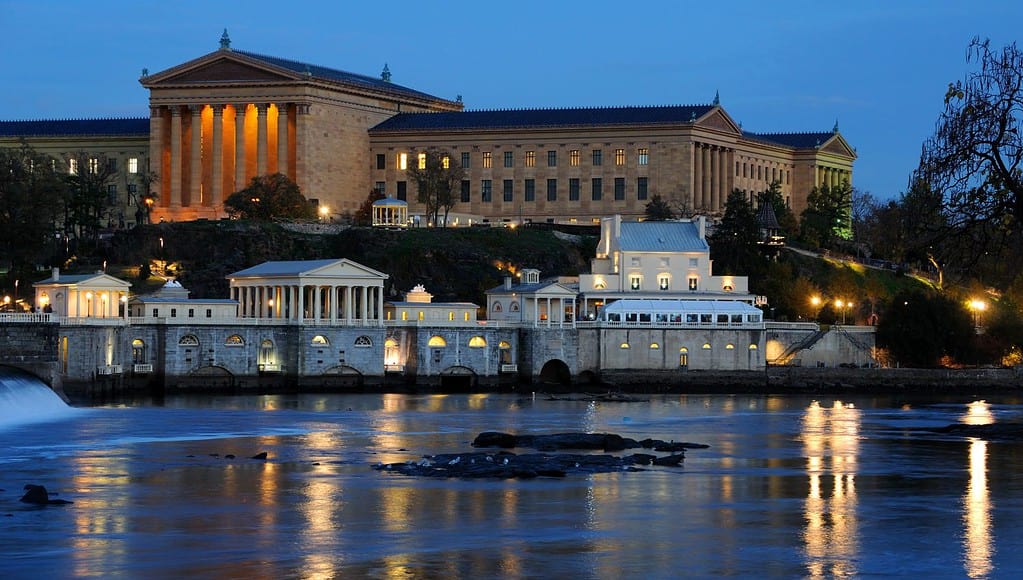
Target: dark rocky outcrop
x=506, y=465
x=37, y=495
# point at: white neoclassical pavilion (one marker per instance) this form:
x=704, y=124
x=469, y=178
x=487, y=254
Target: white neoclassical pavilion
x=79, y=296
x=325, y=292
x=390, y=213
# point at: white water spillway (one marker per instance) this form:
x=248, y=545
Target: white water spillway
x=25, y=399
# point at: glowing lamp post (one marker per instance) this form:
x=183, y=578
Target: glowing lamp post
x=843, y=306
x=977, y=307
x=324, y=212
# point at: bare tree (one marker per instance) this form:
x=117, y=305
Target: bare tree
x=437, y=181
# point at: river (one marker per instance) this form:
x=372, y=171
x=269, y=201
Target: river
x=789, y=487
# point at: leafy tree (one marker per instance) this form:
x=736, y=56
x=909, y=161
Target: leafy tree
x=437, y=183
x=920, y=329
x=826, y=216
x=270, y=197
x=364, y=215
x=31, y=205
x=734, y=241
x=658, y=210
x=974, y=157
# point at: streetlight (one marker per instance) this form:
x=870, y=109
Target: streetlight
x=977, y=307
x=843, y=306
x=324, y=212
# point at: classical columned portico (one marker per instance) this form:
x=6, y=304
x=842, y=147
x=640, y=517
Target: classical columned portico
x=324, y=304
x=205, y=152
x=711, y=178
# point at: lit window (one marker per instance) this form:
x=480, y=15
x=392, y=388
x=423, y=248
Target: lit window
x=654, y=346
x=599, y=284
x=133, y=165
x=93, y=166
x=624, y=345
x=619, y=156
x=662, y=282
x=72, y=166
x=693, y=284
x=634, y=282
x=573, y=158
x=437, y=342
x=234, y=340
x=320, y=340
x=477, y=342
x=421, y=160
x=530, y=158
x=729, y=346
x=446, y=162
x=487, y=160
x=753, y=346
x=644, y=156
x=706, y=346
x=403, y=161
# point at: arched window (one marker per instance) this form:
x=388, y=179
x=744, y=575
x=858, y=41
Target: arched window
x=654, y=346
x=188, y=340
x=319, y=340
x=504, y=345
x=624, y=345
x=234, y=340
x=497, y=307
x=514, y=307
x=477, y=342
x=437, y=342
x=363, y=342
x=138, y=352
x=390, y=343
x=706, y=346
x=683, y=350
x=729, y=346
x=753, y=346
x=267, y=353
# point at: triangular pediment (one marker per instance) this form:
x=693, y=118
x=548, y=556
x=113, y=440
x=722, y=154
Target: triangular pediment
x=838, y=146
x=718, y=119
x=344, y=268
x=219, y=67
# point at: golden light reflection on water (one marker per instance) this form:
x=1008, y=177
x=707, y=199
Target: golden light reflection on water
x=831, y=446
x=321, y=507
x=978, y=543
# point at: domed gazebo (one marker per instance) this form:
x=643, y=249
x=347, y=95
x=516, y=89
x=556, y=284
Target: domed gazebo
x=390, y=213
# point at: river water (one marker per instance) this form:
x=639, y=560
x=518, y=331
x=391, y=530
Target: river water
x=790, y=487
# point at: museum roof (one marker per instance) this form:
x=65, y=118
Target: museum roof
x=666, y=236
x=281, y=268
x=138, y=126
x=795, y=140
x=526, y=118
x=331, y=74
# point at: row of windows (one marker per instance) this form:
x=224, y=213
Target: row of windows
x=684, y=350
x=574, y=159
x=664, y=283
x=529, y=189
x=237, y=340
x=93, y=165
x=437, y=341
x=763, y=174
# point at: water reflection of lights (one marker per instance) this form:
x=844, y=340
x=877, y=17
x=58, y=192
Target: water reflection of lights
x=978, y=545
x=831, y=443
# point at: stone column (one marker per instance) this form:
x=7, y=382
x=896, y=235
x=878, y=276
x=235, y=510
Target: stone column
x=348, y=305
x=216, y=197
x=282, y=139
x=705, y=194
x=262, y=143
x=175, y=176
x=240, y=180
x=364, y=307
x=195, y=193
x=316, y=303
x=715, y=189
x=301, y=128
x=156, y=140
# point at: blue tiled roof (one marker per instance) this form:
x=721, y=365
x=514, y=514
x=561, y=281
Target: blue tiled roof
x=283, y=268
x=661, y=237
x=323, y=72
x=525, y=118
x=138, y=126
x=796, y=140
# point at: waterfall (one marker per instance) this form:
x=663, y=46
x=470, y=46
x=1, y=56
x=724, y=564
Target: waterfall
x=25, y=399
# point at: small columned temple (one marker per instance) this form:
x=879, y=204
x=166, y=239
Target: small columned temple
x=226, y=117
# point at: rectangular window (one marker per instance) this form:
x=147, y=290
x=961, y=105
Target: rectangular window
x=156, y=312
x=487, y=160
x=507, y=190
x=133, y=165
x=694, y=262
x=445, y=162
x=552, y=190
x=573, y=158
x=634, y=282
x=552, y=159
x=465, y=191
x=598, y=157
x=573, y=189
x=381, y=161
x=598, y=188
x=402, y=161
x=644, y=156
x=641, y=184
x=509, y=159
x=112, y=194
x=530, y=190
x=72, y=166
x=619, y=188
x=93, y=166
x=191, y=312
x=465, y=160
x=487, y=190
x=111, y=164
x=662, y=282
x=402, y=190
x=174, y=312
x=133, y=188
x=619, y=156
x=421, y=161
x=693, y=283
x=209, y=313
x=530, y=158
x=380, y=186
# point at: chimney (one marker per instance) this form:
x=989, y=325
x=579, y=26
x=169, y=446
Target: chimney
x=507, y=282
x=55, y=274
x=701, y=223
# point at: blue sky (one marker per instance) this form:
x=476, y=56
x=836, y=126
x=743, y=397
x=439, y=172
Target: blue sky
x=879, y=68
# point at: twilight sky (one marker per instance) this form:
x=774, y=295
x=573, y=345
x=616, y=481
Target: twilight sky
x=880, y=68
